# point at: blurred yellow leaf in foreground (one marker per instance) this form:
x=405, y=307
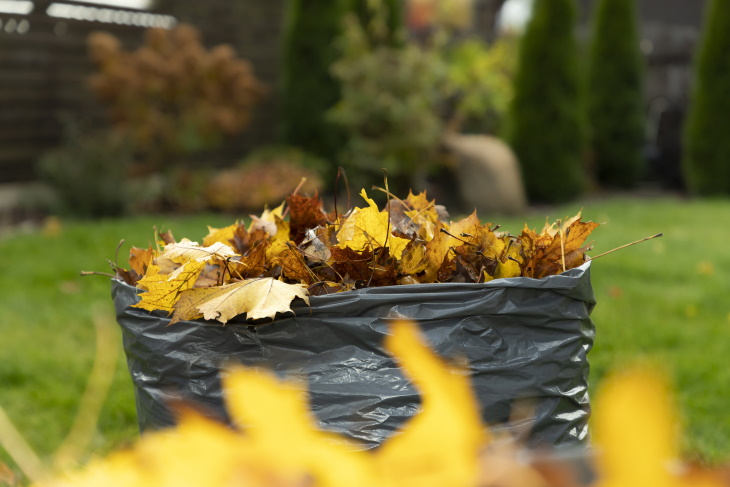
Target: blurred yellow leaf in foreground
x=276, y=442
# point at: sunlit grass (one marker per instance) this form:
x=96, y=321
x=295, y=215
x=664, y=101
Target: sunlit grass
x=663, y=300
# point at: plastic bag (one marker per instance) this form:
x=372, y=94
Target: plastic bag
x=521, y=337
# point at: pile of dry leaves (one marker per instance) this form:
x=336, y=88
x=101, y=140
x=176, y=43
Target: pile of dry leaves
x=298, y=250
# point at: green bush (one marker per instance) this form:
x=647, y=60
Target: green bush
x=545, y=125
x=481, y=76
x=390, y=106
x=615, y=94
x=390, y=14
x=89, y=172
x=707, y=145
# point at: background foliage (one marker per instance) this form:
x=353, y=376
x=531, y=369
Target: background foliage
x=481, y=76
x=546, y=122
x=707, y=146
x=308, y=89
x=390, y=104
x=615, y=94
x=172, y=96
x=88, y=172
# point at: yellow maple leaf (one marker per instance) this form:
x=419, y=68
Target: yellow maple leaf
x=423, y=214
x=163, y=290
x=635, y=432
x=509, y=259
x=437, y=250
x=258, y=298
x=198, y=451
x=413, y=259
x=277, y=247
x=279, y=423
x=369, y=227
x=221, y=235
x=440, y=445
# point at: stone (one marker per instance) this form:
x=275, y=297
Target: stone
x=488, y=174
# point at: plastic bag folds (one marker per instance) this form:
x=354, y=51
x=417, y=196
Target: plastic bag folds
x=522, y=338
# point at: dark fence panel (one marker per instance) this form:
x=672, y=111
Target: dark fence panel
x=44, y=66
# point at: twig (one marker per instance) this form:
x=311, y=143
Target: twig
x=443, y=230
x=341, y=173
x=627, y=245
x=19, y=450
x=93, y=273
x=562, y=243
x=100, y=380
x=116, y=253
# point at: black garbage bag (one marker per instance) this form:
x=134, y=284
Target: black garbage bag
x=521, y=337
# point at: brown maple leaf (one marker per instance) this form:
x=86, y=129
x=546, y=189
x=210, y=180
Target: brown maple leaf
x=140, y=259
x=244, y=240
x=304, y=213
x=347, y=262
x=383, y=269
x=555, y=250
x=293, y=266
x=253, y=262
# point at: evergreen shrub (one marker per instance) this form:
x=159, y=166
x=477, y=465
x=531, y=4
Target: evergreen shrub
x=545, y=124
x=706, y=159
x=615, y=94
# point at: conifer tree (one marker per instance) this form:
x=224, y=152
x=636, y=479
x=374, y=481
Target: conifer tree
x=615, y=94
x=308, y=89
x=545, y=123
x=706, y=159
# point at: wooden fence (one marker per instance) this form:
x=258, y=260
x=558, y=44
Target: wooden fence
x=44, y=65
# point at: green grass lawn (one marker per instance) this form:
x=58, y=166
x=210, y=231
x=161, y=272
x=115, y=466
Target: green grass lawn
x=663, y=300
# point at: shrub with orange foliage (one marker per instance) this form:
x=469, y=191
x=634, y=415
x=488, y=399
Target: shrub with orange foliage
x=171, y=95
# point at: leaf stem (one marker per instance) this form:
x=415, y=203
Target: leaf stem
x=627, y=245
x=94, y=273
x=562, y=243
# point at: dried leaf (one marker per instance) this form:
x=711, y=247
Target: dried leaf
x=293, y=266
x=544, y=254
x=635, y=432
x=437, y=251
x=279, y=423
x=257, y=298
x=186, y=307
x=440, y=445
x=413, y=260
x=355, y=265
x=186, y=250
x=369, y=228
x=305, y=213
x=220, y=235
x=313, y=249
x=140, y=259
x=254, y=262
x=163, y=290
